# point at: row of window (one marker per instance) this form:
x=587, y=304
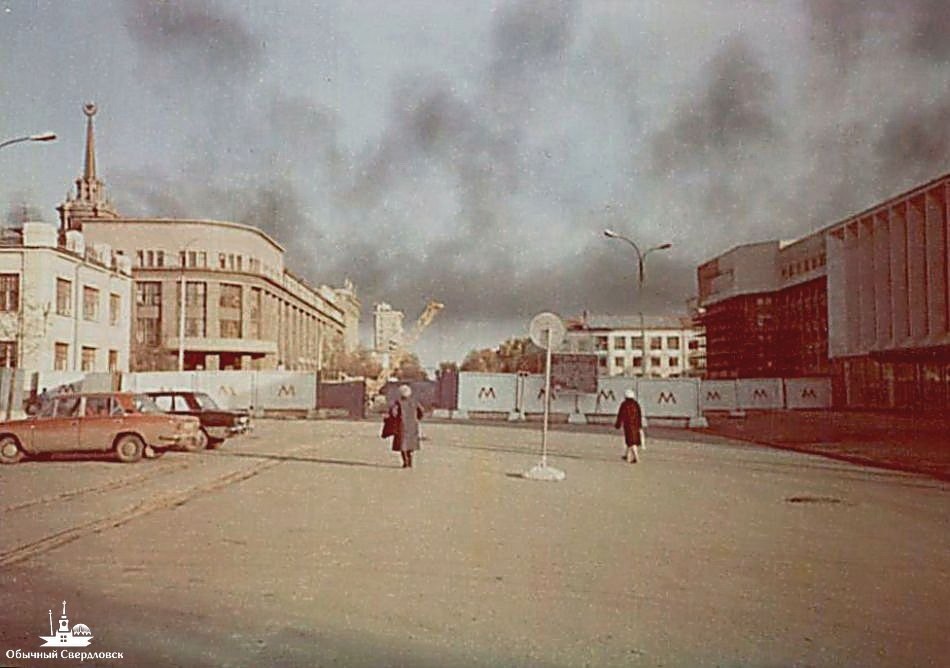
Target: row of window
x=10, y=299
x=230, y=304
x=636, y=342
x=197, y=260
x=655, y=362
x=8, y=357
x=802, y=266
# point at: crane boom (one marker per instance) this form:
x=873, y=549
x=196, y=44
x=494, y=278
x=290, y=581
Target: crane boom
x=402, y=349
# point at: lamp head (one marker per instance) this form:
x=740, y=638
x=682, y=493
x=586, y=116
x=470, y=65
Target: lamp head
x=610, y=233
x=44, y=136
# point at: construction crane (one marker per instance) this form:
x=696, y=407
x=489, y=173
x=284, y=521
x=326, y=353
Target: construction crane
x=402, y=349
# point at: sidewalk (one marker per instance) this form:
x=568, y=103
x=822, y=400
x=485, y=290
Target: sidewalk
x=900, y=442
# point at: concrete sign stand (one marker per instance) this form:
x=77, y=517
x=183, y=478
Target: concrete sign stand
x=546, y=331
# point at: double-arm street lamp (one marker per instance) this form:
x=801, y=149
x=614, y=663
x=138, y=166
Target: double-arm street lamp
x=44, y=136
x=641, y=275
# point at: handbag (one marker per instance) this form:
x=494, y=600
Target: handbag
x=389, y=426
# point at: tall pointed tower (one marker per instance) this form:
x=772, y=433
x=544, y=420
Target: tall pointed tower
x=89, y=200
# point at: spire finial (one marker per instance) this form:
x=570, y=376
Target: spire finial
x=89, y=172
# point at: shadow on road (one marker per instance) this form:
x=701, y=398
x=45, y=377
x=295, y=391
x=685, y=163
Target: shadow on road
x=306, y=460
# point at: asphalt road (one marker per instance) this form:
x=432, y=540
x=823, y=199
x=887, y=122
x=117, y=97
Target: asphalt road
x=303, y=544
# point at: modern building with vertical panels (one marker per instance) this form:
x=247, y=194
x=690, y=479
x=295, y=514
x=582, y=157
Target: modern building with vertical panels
x=240, y=308
x=864, y=300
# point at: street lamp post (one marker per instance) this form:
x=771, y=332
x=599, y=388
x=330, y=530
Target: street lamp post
x=43, y=136
x=641, y=260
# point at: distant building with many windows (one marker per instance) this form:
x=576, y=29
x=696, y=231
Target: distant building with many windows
x=223, y=283
x=675, y=347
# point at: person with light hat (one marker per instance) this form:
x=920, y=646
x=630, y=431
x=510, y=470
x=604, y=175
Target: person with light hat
x=630, y=417
x=407, y=412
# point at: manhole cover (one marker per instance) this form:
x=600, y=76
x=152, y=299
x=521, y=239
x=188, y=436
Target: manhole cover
x=812, y=499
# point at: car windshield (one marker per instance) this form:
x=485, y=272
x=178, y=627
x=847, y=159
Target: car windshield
x=205, y=402
x=144, y=404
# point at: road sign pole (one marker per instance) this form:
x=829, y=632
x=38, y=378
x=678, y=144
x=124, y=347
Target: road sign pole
x=547, y=402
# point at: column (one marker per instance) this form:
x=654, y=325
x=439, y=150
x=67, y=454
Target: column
x=866, y=284
x=936, y=234
x=899, y=306
x=852, y=284
x=883, y=333
x=917, y=270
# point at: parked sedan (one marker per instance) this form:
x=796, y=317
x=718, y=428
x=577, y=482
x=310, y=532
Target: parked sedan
x=217, y=424
x=129, y=425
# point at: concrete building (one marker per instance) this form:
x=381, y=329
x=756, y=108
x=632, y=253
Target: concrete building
x=674, y=346
x=64, y=307
x=387, y=328
x=243, y=309
x=864, y=301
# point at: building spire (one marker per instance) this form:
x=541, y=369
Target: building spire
x=89, y=201
x=89, y=171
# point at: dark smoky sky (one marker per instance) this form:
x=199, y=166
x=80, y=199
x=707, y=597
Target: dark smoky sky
x=473, y=152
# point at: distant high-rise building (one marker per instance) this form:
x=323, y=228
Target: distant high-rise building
x=387, y=327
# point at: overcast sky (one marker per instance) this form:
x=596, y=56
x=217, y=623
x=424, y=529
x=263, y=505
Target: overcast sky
x=473, y=152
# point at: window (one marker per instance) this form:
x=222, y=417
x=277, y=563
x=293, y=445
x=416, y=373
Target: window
x=240, y=262
x=636, y=343
x=202, y=259
x=254, y=315
x=222, y=261
x=620, y=342
x=7, y=354
x=113, y=361
x=148, y=331
x=115, y=309
x=230, y=296
x=602, y=362
x=600, y=343
x=139, y=258
x=654, y=362
x=148, y=293
x=673, y=343
x=693, y=344
x=618, y=362
x=9, y=292
x=90, y=303
x=230, y=329
x=98, y=406
x=196, y=301
x=88, y=358
x=159, y=258
x=163, y=401
x=254, y=265
x=64, y=297
x=60, y=356
x=67, y=407
x=637, y=362
x=656, y=342
x=674, y=361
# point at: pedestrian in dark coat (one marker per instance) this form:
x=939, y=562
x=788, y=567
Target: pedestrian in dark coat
x=407, y=412
x=630, y=417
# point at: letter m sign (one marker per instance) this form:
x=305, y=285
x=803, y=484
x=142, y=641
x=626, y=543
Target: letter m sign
x=713, y=395
x=760, y=394
x=486, y=393
x=666, y=398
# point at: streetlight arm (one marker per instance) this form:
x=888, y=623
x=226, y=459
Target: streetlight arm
x=45, y=136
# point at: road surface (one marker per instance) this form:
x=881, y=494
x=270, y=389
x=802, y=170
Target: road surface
x=303, y=544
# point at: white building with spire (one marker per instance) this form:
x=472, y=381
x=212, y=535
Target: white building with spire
x=212, y=294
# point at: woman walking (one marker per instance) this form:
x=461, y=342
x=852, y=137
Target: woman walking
x=407, y=412
x=630, y=417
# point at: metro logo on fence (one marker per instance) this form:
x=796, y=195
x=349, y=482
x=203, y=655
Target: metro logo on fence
x=287, y=391
x=666, y=398
x=486, y=393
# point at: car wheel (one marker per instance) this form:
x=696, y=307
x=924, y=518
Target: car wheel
x=199, y=444
x=152, y=453
x=10, y=451
x=215, y=443
x=129, y=448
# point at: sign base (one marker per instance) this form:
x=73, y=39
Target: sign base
x=542, y=472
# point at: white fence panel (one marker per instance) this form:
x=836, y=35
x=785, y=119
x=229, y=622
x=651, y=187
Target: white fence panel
x=285, y=390
x=233, y=390
x=488, y=392
x=760, y=393
x=59, y=381
x=610, y=393
x=718, y=395
x=561, y=402
x=808, y=393
x=149, y=381
x=669, y=398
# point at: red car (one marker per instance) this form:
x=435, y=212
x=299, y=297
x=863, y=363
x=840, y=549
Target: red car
x=129, y=425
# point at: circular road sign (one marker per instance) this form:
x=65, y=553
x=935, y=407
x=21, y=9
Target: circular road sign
x=543, y=323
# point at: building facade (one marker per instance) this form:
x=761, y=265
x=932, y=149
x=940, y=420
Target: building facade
x=674, y=346
x=864, y=301
x=387, y=328
x=63, y=307
x=215, y=293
